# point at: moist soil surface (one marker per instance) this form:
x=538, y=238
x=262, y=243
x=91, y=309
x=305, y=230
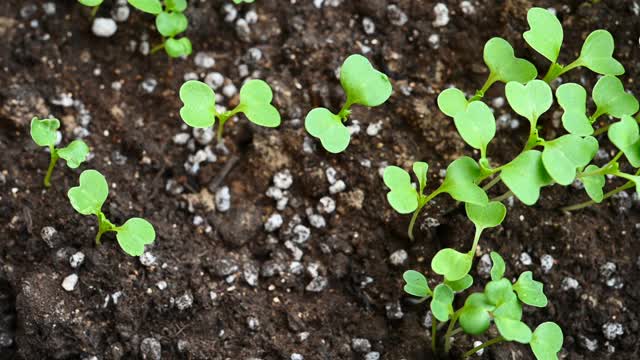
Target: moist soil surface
x=215, y=284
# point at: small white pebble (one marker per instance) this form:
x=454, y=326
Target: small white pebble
x=442, y=15
x=283, y=179
x=223, y=199
x=69, y=283
x=76, y=259
x=326, y=205
x=339, y=186
x=204, y=60
x=104, y=27
x=148, y=259
x=273, y=222
x=525, y=259
x=546, y=262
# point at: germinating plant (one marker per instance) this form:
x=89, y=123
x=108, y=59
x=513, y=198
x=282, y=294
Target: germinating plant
x=88, y=198
x=44, y=132
x=363, y=85
x=200, y=111
x=500, y=303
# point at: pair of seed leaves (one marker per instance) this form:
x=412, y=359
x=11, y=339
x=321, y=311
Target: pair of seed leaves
x=546, y=36
x=170, y=22
x=44, y=133
x=88, y=198
x=199, y=100
x=363, y=85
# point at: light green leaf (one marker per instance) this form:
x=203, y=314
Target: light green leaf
x=176, y=5
x=90, y=2
x=149, y=6
x=525, y=175
x=546, y=33
x=593, y=184
x=255, y=102
x=88, y=198
x=363, y=84
x=327, y=127
x=625, y=135
x=474, y=317
x=178, y=47
x=486, y=216
x=199, y=104
x=134, y=234
x=421, y=168
x=498, y=268
x=441, y=304
x=530, y=100
x=461, y=284
x=507, y=318
x=504, y=66
x=460, y=182
x=43, y=132
x=75, y=153
x=573, y=100
x=451, y=264
x=170, y=24
x=500, y=292
x=530, y=291
x=546, y=341
x=597, y=54
x=563, y=156
x=416, y=284
x=476, y=125
x=610, y=98
x=452, y=101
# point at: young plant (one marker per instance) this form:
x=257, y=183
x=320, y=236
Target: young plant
x=363, y=85
x=199, y=110
x=44, y=133
x=88, y=198
x=243, y=1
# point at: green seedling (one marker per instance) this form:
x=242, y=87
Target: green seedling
x=199, y=110
x=88, y=198
x=459, y=183
x=44, y=133
x=363, y=85
x=611, y=99
x=243, y=1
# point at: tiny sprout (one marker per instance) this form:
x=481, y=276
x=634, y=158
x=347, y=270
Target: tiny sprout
x=88, y=198
x=170, y=22
x=363, y=85
x=44, y=133
x=200, y=111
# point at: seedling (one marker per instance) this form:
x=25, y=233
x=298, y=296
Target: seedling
x=243, y=1
x=363, y=85
x=200, y=111
x=44, y=133
x=88, y=198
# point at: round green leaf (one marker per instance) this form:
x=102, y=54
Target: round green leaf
x=326, y=126
x=75, y=153
x=593, y=184
x=530, y=100
x=90, y=2
x=500, y=292
x=460, y=182
x=88, y=198
x=504, y=66
x=199, y=104
x=176, y=5
x=403, y=197
x=43, y=132
x=363, y=84
x=573, y=100
x=546, y=34
x=474, y=317
x=452, y=101
x=513, y=330
x=498, y=268
x=255, y=103
x=170, y=24
x=530, y=291
x=149, y=6
x=562, y=156
x=610, y=98
x=441, y=304
x=625, y=135
x=421, y=168
x=476, y=125
x=178, y=47
x=461, y=284
x=597, y=54
x=451, y=264
x=525, y=175
x=134, y=234
x=546, y=341
x=486, y=216
x=416, y=284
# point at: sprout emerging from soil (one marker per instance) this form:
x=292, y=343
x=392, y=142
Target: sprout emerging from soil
x=88, y=198
x=44, y=133
x=199, y=110
x=363, y=85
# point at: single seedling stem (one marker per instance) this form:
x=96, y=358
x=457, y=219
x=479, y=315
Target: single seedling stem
x=503, y=196
x=482, y=346
x=94, y=11
x=449, y=333
x=627, y=185
x=491, y=183
x=434, y=330
x=52, y=165
x=487, y=84
x=157, y=48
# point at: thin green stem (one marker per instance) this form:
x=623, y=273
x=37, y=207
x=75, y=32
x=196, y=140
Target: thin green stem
x=552, y=73
x=476, y=239
x=104, y=225
x=157, y=48
x=52, y=165
x=222, y=119
x=94, y=11
x=503, y=196
x=482, y=346
x=604, y=129
x=582, y=205
x=491, y=183
x=487, y=84
x=434, y=330
x=448, y=334
x=345, y=111
x=413, y=221
x=599, y=112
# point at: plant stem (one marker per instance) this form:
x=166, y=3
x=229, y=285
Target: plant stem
x=487, y=84
x=220, y=129
x=413, y=221
x=52, y=165
x=104, y=226
x=157, y=48
x=434, y=330
x=491, y=183
x=476, y=239
x=94, y=11
x=503, y=196
x=448, y=334
x=627, y=185
x=604, y=129
x=482, y=346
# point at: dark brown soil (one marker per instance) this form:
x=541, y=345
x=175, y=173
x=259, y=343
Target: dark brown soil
x=301, y=46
